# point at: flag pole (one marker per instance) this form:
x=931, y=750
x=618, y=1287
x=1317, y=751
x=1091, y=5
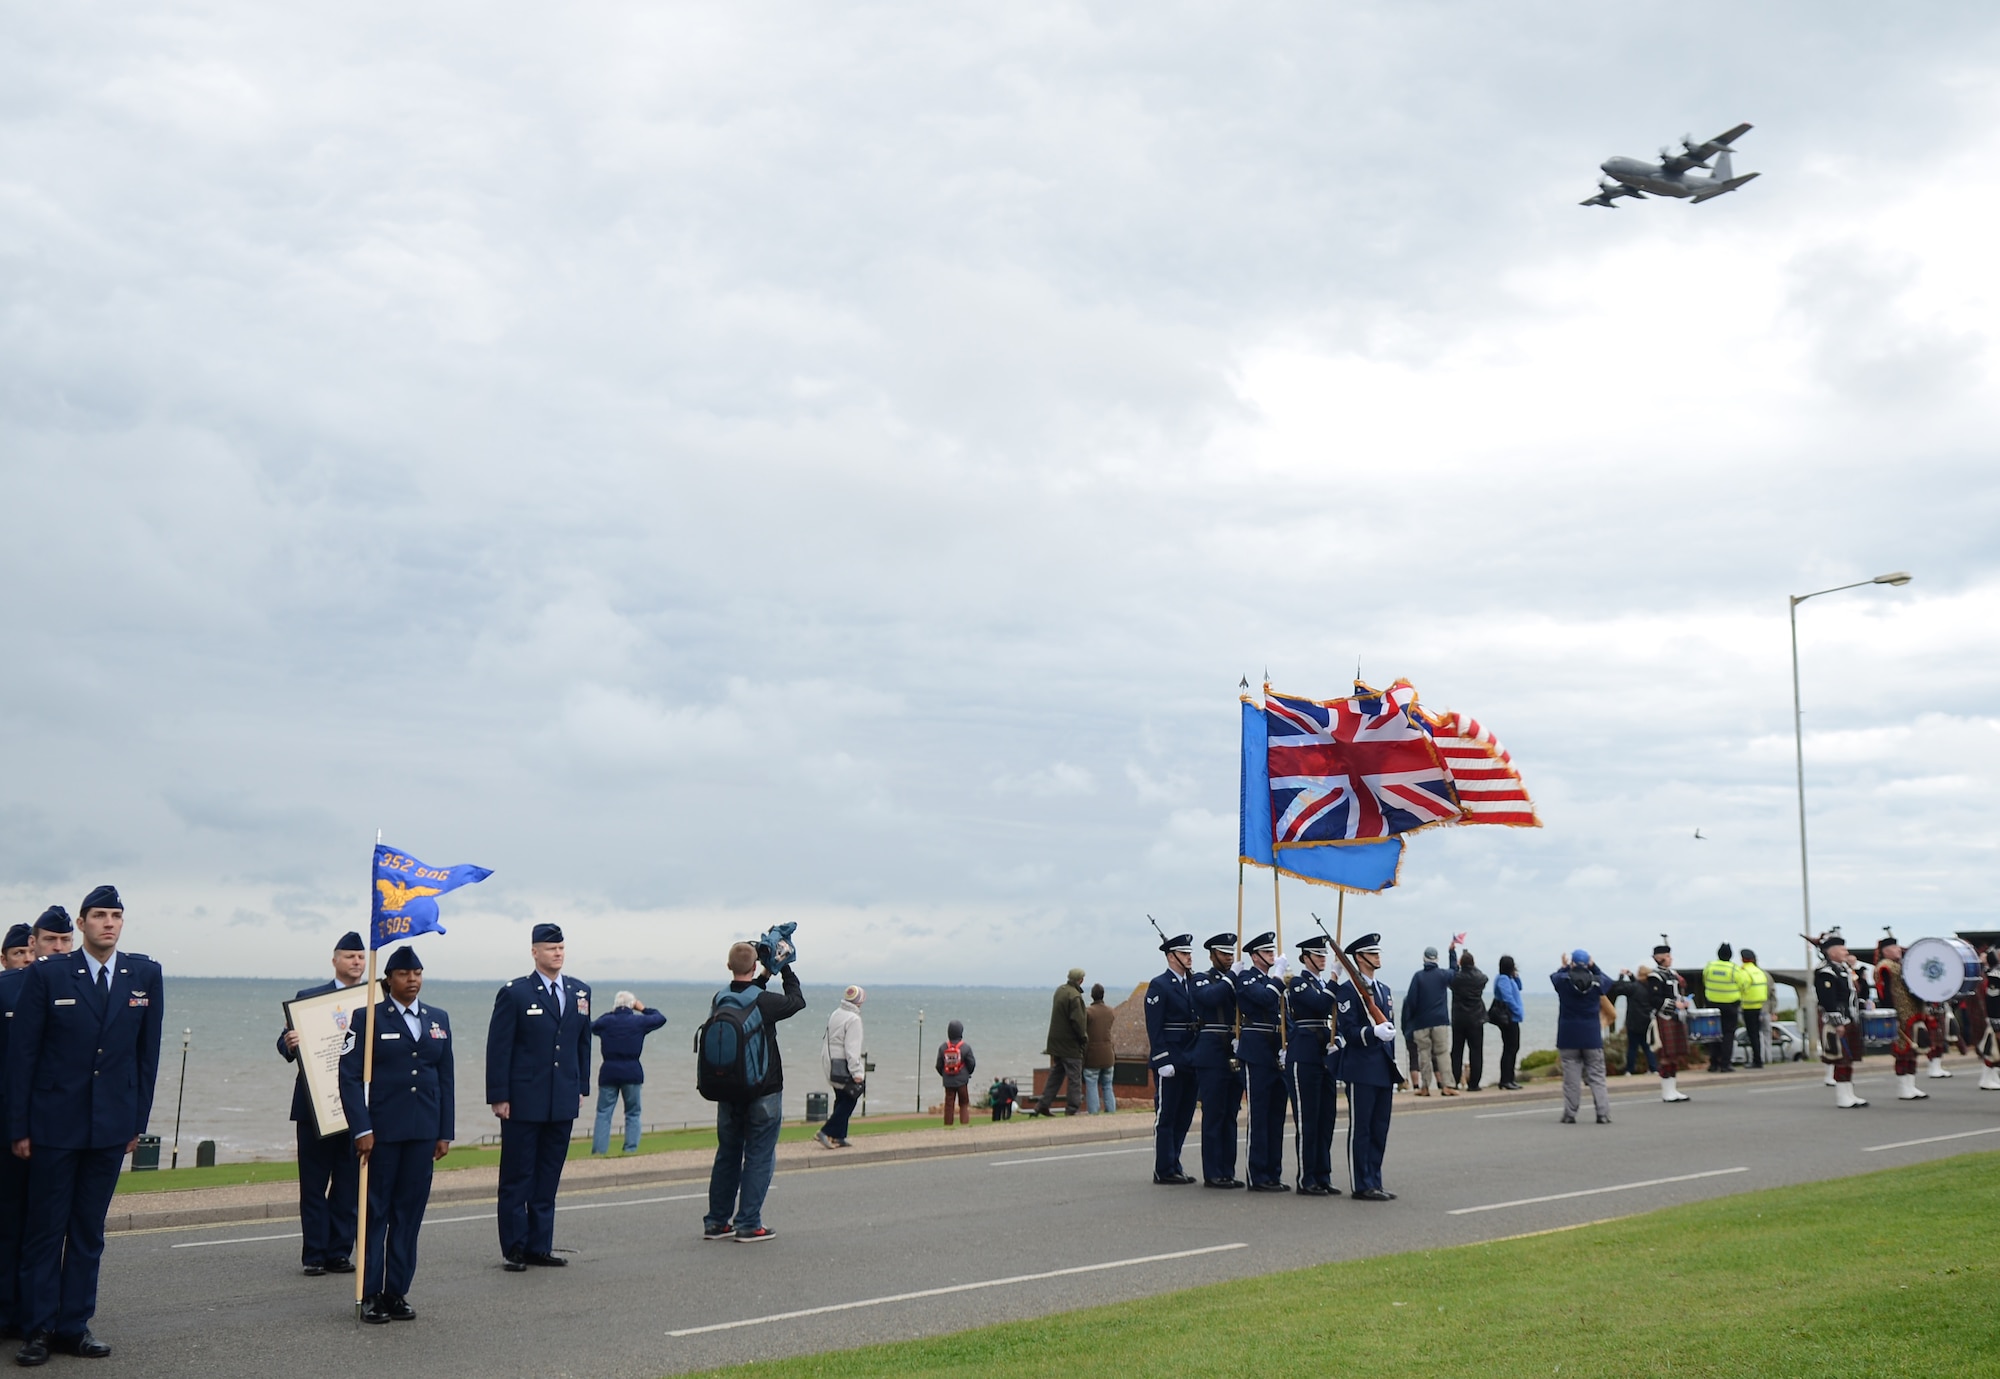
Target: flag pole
x=367, y=1077
x=1238, y=1033
x=1278, y=914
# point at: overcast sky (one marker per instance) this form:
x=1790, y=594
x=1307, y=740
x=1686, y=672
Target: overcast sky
x=721, y=464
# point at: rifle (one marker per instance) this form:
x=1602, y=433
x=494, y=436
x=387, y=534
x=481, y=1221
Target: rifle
x=1363, y=989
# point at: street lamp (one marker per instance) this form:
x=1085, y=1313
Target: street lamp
x=1897, y=578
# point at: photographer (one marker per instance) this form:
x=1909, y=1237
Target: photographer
x=740, y=1070
x=1580, y=989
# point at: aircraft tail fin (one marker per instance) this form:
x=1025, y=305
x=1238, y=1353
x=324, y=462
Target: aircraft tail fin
x=1723, y=169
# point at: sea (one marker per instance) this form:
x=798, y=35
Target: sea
x=221, y=1077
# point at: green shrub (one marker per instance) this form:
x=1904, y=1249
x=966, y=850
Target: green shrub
x=1540, y=1058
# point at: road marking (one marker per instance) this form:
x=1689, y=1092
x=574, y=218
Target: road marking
x=1594, y=1191
x=1934, y=1139
x=956, y=1288
x=450, y=1220
x=1058, y=1158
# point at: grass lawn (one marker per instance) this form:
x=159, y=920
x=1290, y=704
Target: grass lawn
x=1885, y=1274
x=477, y=1156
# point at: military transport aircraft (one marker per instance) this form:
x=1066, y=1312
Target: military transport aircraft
x=1671, y=176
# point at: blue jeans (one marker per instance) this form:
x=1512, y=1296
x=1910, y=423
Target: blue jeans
x=1097, y=1095
x=844, y=1102
x=608, y=1094
x=746, y=1153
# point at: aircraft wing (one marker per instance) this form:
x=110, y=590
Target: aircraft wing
x=1608, y=194
x=1699, y=154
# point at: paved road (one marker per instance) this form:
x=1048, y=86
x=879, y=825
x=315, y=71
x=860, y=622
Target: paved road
x=219, y=1301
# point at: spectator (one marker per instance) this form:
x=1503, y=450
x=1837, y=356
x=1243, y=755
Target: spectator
x=621, y=1031
x=746, y=1126
x=845, y=1065
x=1468, y=1021
x=1099, y=1061
x=1580, y=989
x=1069, y=1036
x=1722, y=988
x=956, y=1064
x=1507, y=1014
x=1427, y=1015
x=1638, y=1018
x=1756, y=991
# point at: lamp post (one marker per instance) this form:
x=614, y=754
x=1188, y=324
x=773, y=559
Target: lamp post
x=1897, y=578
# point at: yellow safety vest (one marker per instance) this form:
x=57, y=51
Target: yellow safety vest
x=1719, y=981
x=1756, y=986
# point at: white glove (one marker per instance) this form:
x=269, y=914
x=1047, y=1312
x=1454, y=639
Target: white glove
x=1164, y=1070
x=1385, y=1031
x=1236, y=1047
x=1281, y=968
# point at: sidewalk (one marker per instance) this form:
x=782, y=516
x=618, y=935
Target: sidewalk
x=279, y=1202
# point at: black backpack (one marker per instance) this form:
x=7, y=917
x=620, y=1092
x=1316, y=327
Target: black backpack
x=733, y=1048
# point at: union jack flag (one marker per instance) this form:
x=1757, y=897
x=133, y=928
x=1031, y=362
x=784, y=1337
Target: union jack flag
x=1489, y=787
x=1350, y=769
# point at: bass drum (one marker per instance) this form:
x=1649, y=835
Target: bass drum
x=1941, y=969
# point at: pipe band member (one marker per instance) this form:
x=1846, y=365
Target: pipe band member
x=1667, y=993
x=1987, y=1002
x=1838, y=988
x=1912, y=1016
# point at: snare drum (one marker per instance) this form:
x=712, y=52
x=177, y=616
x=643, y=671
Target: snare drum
x=1878, y=1026
x=1941, y=969
x=1704, y=1026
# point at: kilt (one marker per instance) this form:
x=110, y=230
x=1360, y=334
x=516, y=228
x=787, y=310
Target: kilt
x=1848, y=1039
x=1670, y=1039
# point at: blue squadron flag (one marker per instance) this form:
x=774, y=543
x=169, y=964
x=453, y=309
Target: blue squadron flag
x=1360, y=866
x=404, y=894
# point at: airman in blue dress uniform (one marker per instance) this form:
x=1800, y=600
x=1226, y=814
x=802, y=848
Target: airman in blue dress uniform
x=13, y=1171
x=1260, y=1049
x=1366, y=1062
x=1217, y=1080
x=17, y=950
x=329, y=1174
x=83, y=1056
x=402, y=1123
x=1170, y=1031
x=1309, y=1042
x=537, y=1075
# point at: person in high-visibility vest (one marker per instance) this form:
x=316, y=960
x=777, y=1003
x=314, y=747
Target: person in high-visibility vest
x=1722, y=988
x=1756, y=994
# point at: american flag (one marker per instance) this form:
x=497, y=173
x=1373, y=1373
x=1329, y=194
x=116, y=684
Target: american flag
x=1352, y=769
x=1489, y=788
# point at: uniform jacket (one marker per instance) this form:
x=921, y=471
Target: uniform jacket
x=10, y=996
x=1257, y=998
x=80, y=1070
x=1069, y=1030
x=1309, y=1016
x=1214, y=993
x=414, y=1092
x=621, y=1034
x=301, y=1103
x=1362, y=1058
x=1427, y=1004
x=1835, y=992
x=1170, y=1022
x=1664, y=991
x=1579, y=1023
x=538, y=1058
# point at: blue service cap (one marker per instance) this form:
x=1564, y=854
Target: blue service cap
x=1262, y=943
x=1367, y=943
x=547, y=933
x=103, y=898
x=350, y=942
x=1222, y=940
x=55, y=920
x=404, y=959
x=17, y=937
x=1318, y=943
x=1179, y=943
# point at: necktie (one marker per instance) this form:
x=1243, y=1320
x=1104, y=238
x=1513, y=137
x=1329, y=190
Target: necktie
x=555, y=997
x=104, y=982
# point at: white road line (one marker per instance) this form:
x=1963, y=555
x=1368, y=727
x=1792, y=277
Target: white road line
x=955, y=1288
x=1934, y=1139
x=1594, y=1191
x=451, y=1220
x=1058, y=1158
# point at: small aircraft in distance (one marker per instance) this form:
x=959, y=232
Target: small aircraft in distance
x=1673, y=175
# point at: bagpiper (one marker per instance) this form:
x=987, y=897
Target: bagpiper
x=1668, y=994
x=1838, y=987
x=1988, y=1040
x=1911, y=1014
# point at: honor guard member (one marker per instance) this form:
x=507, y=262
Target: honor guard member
x=13, y=1171
x=83, y=1054
x=53, y=934
x=1366, y=1062
x=537, y=1075
x=1260, y=993
x=1668, y=994
x=1217, y=1081
x=329, y=1174
x=1170, y=1029
x=1309, y=1042
x=1837, y=989
x=15, y=952
x=402, y=1124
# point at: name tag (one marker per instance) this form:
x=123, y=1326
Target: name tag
x=387, y=1035
x=534, y=1010
x=67, y=1001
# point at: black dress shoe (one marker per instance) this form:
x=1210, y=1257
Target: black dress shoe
x=515, y=1264
x=1222, y=1182
x=1374, y=1194
x=1172, y=1179
x=374, y=1313
x=314, y=1270
x=399, y=1309
x=86, y=1345
x=343, y=1265
x=546, y=1261
x=1269, y=1187
x=33, y=1351
x=1313, y=1190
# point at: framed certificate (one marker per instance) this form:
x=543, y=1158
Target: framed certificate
x=323, y=1024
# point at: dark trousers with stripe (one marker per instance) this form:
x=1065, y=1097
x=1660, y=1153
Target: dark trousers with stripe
x=1268, y=1098
x=62, y=1243
x=1173, y=1113
x=1221, y=1091
x=329, y=1187
x=1315, y=1099
x=13, y=1222
x=399, y=1189
x=1367, y=1134
x=532, y=1154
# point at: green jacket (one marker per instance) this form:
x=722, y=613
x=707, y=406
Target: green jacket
x=1069, y=1027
